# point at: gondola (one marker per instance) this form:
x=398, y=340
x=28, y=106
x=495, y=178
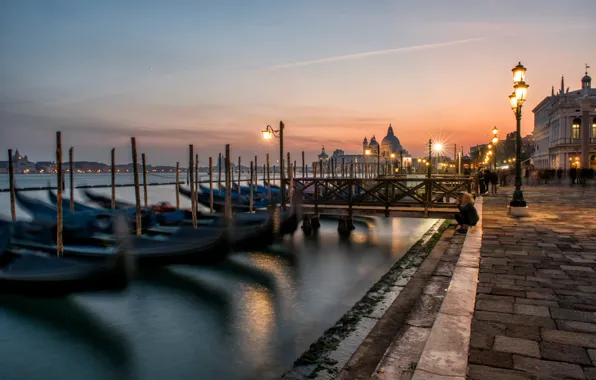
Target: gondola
x=106, y=202
x=43, y=212
x=39, y=210
x=78, y=207
x=238, y=204
x=163, y=213
x=186, y=245
x=32, y=274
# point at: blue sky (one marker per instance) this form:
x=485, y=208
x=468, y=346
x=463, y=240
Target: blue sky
x=208, y=73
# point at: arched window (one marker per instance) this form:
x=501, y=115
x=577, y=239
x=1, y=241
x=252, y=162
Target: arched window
x=575, y=128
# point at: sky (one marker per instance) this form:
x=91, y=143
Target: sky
x=211, y=73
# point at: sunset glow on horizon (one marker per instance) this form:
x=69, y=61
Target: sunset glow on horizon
x=191, y=72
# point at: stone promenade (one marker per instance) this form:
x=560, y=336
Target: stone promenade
x=535, y=312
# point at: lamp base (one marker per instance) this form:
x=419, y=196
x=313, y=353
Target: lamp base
x=518, y=211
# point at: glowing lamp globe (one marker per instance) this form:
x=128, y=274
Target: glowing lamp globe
x=519, y=73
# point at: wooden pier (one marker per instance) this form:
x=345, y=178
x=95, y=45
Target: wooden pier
x=399, y=196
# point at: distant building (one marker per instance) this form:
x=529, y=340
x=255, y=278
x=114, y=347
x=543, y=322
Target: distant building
x=323, y=156
x=373, y=151
x=558, y=125
x=20, y=164
x=45, y=166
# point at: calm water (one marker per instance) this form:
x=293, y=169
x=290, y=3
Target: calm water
x=247, y=320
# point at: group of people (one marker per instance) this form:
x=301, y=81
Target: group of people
x=491, y=180
x=534, y=177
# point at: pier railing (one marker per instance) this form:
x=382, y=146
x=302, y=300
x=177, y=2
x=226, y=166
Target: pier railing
x=388, y=194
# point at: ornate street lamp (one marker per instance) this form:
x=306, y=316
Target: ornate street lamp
x=268, y=134
x=516, y=100
x=494, y=141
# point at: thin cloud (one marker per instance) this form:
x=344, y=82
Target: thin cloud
x=374, y=53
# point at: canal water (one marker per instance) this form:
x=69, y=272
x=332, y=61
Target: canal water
x=249, y=319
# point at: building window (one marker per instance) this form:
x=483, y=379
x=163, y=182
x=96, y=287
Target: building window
x=594, y=127
x=575, y=128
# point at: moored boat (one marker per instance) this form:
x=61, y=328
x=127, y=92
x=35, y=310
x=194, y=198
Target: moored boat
x=186, y=245
x=29, y=273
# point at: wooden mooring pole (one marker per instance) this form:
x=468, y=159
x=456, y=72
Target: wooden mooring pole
x=303, y=166
x=196, y=193
x=191, y=170
x=219, y=175
x=250, y=183
x=177, y=185
x=135, y=168
x=71, y=177
x=269, y=182
x=211, y=185
x=239, y=176
x=13, y=211
x=228, y=208
x=256, y=179
x=60, y=175
x=144, y=163
x=113, y=165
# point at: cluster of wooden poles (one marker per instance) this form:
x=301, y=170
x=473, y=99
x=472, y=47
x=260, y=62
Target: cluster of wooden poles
x=193, y=170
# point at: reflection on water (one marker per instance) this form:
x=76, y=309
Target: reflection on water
x=248, y=319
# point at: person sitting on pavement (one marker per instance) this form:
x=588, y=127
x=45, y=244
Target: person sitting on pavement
x=467, y=215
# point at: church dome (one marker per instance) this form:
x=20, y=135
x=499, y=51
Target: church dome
x=390, y=143
x=373, y=142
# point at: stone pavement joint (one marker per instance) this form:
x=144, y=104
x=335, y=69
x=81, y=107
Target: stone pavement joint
x=535, y=309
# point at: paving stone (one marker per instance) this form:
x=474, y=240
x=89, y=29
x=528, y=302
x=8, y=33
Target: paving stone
x=523, y=332
x=527, y=320
x=576, y=268
x=517, y=346
x=592, y=354
x=446, y=350
x=491, y=297
x=547, y=369
x=498, y=306
x=573, y=315
x=564, y=353
x=539, y=311
x=590, y=373
x=530, y=301
x=541, y=296
x=425, y=311
x=570, y=338
x=576, y=326
x=491, y=358
x=501, y=291
x=481, y=372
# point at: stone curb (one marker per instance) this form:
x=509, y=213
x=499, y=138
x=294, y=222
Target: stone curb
x=445, y=354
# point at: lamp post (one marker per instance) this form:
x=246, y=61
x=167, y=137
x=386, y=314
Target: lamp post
x=367, y=153
x=430, y=149
x=393, y=165
x=268, y=134
x=517, y=99
x=378, y=160
x=495, y=140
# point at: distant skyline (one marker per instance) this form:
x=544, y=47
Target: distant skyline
x=210, y=73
